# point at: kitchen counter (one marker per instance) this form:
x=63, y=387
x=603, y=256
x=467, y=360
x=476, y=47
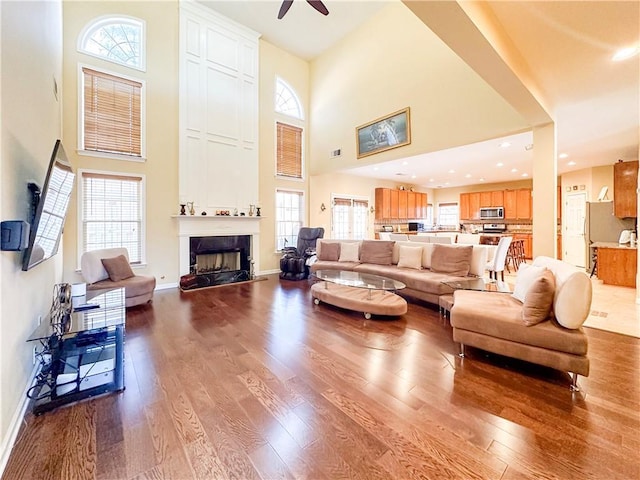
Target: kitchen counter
x=624, y=246
x=616, y=264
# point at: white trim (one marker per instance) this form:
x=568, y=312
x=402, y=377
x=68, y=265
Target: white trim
x=16, y=421
x=143, y=216
x=112, y=156
x=303, y=209
x=99, y=22
x=143, y=114
x=295, y=95
x=166, y=286
x=210, y=15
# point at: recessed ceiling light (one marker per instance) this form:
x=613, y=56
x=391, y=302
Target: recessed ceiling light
x=525, y=174
x=514, y=170
x=481, y=179
x=431, y=180
x=452, y=171
x=499, y=164
x=468, y=175
x=413, y=176
x=571, y=163
x=446, y=183
x=563, y=155
x=505, y=145
x=625, y=53
x=375, y=169
x=405, y=163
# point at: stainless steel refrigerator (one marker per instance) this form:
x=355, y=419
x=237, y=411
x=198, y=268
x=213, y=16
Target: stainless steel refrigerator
x=601, y=225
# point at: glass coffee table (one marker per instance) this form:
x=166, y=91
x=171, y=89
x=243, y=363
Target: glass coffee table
x=361, y=292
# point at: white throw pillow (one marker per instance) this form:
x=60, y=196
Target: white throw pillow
x=427, y=251
x=410, y=257
x=349, y=252
x=527, y=274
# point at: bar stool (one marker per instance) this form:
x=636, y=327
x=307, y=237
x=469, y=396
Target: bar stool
x=515, y=255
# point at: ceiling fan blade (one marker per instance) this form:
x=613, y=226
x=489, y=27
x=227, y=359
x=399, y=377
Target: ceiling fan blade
x=284, y=8
x=319, y=6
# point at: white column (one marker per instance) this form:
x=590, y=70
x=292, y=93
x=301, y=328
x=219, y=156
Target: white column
x=545, y=193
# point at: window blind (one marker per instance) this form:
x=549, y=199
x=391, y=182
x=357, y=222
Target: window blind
x=112, y=120
x=112, y=213
x=289, y=150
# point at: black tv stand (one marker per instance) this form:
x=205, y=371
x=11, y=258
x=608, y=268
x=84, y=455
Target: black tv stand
x=81, y=354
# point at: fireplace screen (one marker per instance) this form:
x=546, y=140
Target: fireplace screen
x=217, y=262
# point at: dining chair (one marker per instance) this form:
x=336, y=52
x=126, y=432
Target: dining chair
x=499, y=259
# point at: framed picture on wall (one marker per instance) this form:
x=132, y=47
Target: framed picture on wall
x=385, y=133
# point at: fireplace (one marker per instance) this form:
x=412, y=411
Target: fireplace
x=218, y=260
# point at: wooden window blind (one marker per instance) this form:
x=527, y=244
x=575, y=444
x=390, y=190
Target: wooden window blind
x=112, y=213
x=289, y=150
x=112, y=114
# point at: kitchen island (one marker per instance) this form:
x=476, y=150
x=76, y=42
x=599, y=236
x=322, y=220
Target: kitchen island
x=616, y=263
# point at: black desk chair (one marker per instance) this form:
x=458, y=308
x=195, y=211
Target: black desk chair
x=293, y=264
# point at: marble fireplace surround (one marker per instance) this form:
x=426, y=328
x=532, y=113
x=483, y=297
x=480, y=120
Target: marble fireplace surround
x=213, y=226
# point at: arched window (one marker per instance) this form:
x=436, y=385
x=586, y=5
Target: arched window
x=116, y=39
x=287, y=101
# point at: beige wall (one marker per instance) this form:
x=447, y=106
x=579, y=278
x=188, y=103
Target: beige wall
x=592, y=179
x=161, y=167
x=31, y=52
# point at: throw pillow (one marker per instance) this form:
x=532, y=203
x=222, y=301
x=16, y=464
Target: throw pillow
x=539, y=299
x=452, y=259
x=410, y=257
x=349, y=252
x=329, y=251
x=118, y=268
x=527, y=274
x=379, y=252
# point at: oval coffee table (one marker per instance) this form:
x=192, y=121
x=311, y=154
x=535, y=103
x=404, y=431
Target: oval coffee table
x=361, y=292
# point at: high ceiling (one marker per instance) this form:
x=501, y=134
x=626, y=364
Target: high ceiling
x=567, y=47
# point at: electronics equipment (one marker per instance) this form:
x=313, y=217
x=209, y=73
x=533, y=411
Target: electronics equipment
x=494, y=228
x=387, y=228
x=50, y=209
x=15, y=235
x=416, y=226
x=491, y=213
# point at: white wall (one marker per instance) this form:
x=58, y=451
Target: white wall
x=31, y=52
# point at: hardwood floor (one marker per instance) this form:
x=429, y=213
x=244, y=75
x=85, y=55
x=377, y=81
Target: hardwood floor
x=255, y=381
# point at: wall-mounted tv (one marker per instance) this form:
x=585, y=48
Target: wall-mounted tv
x=51, y=210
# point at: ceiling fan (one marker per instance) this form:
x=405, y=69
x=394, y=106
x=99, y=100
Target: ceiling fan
x=317, y=4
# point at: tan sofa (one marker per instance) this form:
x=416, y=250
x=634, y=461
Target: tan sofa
x=382, y=257
x=494, y=322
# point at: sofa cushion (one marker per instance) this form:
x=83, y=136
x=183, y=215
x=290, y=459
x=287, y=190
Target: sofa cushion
x=379, y=252
x=539, y=299
x=329, y=251
x=349, y=252
x=91, y=263
x=477, y=312
x=410, y=257
x=327, y=265
x=118, y=268
x=527, y=274
x=451, y=259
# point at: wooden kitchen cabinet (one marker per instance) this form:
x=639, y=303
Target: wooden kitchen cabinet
x=510, y=201
x=559, y=255
x=523, y=204
x=383, y=203
x=421, y=205
x=617, y=266
x=394, y=203
x=485, y=199
x=497, y=198
x=474, y=205
x=403, y=199
x=559, y=204
x=411, y=205
x=527, y=242
x=625, y=185
x=465, y=212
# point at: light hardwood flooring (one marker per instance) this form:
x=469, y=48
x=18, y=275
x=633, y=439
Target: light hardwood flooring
x=255, y=381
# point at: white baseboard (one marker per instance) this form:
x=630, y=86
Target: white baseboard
x=267, y=272
x=166, y=286
x=16, y=422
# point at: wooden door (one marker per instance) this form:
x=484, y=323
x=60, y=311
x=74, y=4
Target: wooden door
x=474, y=205
x=393, y=203
x=485, y=200
x=510, y=200
x=403, y=199
x=464, y=207
x=411, y=205
x=625, y=184
x=497, y=199
x=523, y=204
x=383, y=203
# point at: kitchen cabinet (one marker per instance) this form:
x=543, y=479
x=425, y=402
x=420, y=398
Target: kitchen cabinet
x=617, y=265
x=527, y=242
x=510, y=200
x=411, y=205
x=523, y=204
x=497, y=198
x=625, y=185
x=559, y=254
x=383, y=203
x=392, y=204
x=403, y=199
x=485, y=200
x=465, y=213
x=474, y=205
x=559, y=205
x=422, y=205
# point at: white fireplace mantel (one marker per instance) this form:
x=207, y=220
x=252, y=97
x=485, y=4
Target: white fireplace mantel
x=214, y=226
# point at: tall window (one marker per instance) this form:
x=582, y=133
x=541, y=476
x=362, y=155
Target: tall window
x=289, y=217
x=448, y=214
x=289, y=151
x=116, y=39
x=111, y=209
x=111, y=114
x=350, y=217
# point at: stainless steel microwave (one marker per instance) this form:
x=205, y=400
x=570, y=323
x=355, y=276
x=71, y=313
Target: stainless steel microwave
x=491, y=213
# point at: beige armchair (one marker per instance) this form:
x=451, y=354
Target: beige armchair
x=138, y=288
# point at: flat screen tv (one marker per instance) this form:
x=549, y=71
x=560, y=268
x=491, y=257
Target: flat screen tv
x=50, y=211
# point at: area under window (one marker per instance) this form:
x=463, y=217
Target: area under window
x=289, y=217
x=286, y=101
x=350, y=218
x=111, y=212
x=448, y=214
x=111, y=114
x=429, y=219
x=289, y=150
x=116, y=39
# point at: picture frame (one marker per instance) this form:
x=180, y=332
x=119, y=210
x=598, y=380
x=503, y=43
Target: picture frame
x=384, y=133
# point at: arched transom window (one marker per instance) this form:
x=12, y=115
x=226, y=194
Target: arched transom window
x=287, y=101
x=116, y=39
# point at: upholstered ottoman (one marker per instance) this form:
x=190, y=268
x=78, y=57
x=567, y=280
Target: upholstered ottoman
x=376, y=302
